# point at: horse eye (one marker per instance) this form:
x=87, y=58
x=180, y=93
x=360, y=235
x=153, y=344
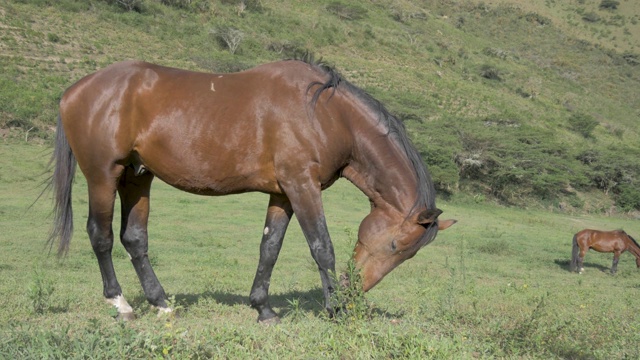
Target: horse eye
x=394, y=246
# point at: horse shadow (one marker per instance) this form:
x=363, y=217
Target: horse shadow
x=566, y=265
x=310, y=301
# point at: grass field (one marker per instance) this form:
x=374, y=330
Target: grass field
x=496, y=285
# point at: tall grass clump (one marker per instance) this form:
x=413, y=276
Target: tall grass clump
x=348, y=298
x=39, y=292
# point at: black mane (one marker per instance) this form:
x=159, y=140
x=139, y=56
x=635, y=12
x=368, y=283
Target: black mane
x=632, y=239
x=396, y=129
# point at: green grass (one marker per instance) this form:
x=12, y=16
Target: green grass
x=496, y=285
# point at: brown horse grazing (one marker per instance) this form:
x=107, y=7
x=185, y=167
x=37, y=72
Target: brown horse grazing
x=288, y=129
x=616, y=241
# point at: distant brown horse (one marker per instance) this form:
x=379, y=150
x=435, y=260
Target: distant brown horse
x=288, y=129
x=616, y=241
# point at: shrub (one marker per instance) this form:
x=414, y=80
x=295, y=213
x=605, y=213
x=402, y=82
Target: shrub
x=496, y=53
x=515, y=162
x=347, y=11
x=228, y=37
x=490, y=72
x=612, y=173
x=287, y=48
x=628, y=197
x=249, y=5
x=54, y=38
x=442, y=166
x=609, y=4
x=583, y=124
x=127, y=5
x=537, y=19
x=591, y=17
x=631, y=58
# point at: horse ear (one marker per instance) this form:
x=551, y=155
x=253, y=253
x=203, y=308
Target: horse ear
x=444, y=224
x=428, y=216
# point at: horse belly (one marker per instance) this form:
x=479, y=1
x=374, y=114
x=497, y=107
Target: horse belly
x=219, y=173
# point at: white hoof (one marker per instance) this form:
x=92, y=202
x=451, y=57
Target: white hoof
x=125, y=311
x=166, y=311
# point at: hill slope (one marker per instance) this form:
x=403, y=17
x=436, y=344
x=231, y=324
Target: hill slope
x=516, y=101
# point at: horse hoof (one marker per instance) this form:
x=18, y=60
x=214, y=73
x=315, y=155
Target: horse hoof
x=127, y=316
x=270, y=321
x=164, y=311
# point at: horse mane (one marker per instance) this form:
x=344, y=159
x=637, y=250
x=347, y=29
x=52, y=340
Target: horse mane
x=632, y=239
x=395, y=128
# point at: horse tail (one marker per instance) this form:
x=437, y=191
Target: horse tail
x=575, y=251
x=64, y=168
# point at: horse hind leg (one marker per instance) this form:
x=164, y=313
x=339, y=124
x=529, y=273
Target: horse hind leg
x=134, y=189
x=581, y=260
x=101, y=200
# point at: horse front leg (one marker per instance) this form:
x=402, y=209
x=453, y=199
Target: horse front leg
x=306, y=201
x=134, y=197
x=279, y=214
x=616, y=258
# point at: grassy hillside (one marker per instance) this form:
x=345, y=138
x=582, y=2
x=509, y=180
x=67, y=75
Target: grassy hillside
x=525, y=102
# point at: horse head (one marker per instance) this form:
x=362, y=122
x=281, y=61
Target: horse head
x=386, y=239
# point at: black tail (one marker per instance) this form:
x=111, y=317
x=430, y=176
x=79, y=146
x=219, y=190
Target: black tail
x=64, y=169
x=573, y=266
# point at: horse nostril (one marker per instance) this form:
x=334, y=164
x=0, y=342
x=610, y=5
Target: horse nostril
x=394, y=246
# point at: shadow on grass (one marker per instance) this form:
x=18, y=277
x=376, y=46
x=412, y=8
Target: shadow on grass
x=565, y=264
x=308, y=301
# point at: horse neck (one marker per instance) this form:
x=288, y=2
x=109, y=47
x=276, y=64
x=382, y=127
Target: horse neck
x=380, y=168
x=632, y=246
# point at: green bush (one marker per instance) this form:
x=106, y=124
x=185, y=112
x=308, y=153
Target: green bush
x=631, y=58
x=127, y=5
x=591, y=17
x=537, y=19
x=490, y=72
x=628, y=196
x=612, y=173
x=228, y=37
x=249, y=5
x=609, y=4
x=515, y=162
x=346, y=11
x=583, y=124
x=442, y=166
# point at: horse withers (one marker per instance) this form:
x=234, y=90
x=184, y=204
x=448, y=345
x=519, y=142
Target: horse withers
x=616, y=241
x=288, y=129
